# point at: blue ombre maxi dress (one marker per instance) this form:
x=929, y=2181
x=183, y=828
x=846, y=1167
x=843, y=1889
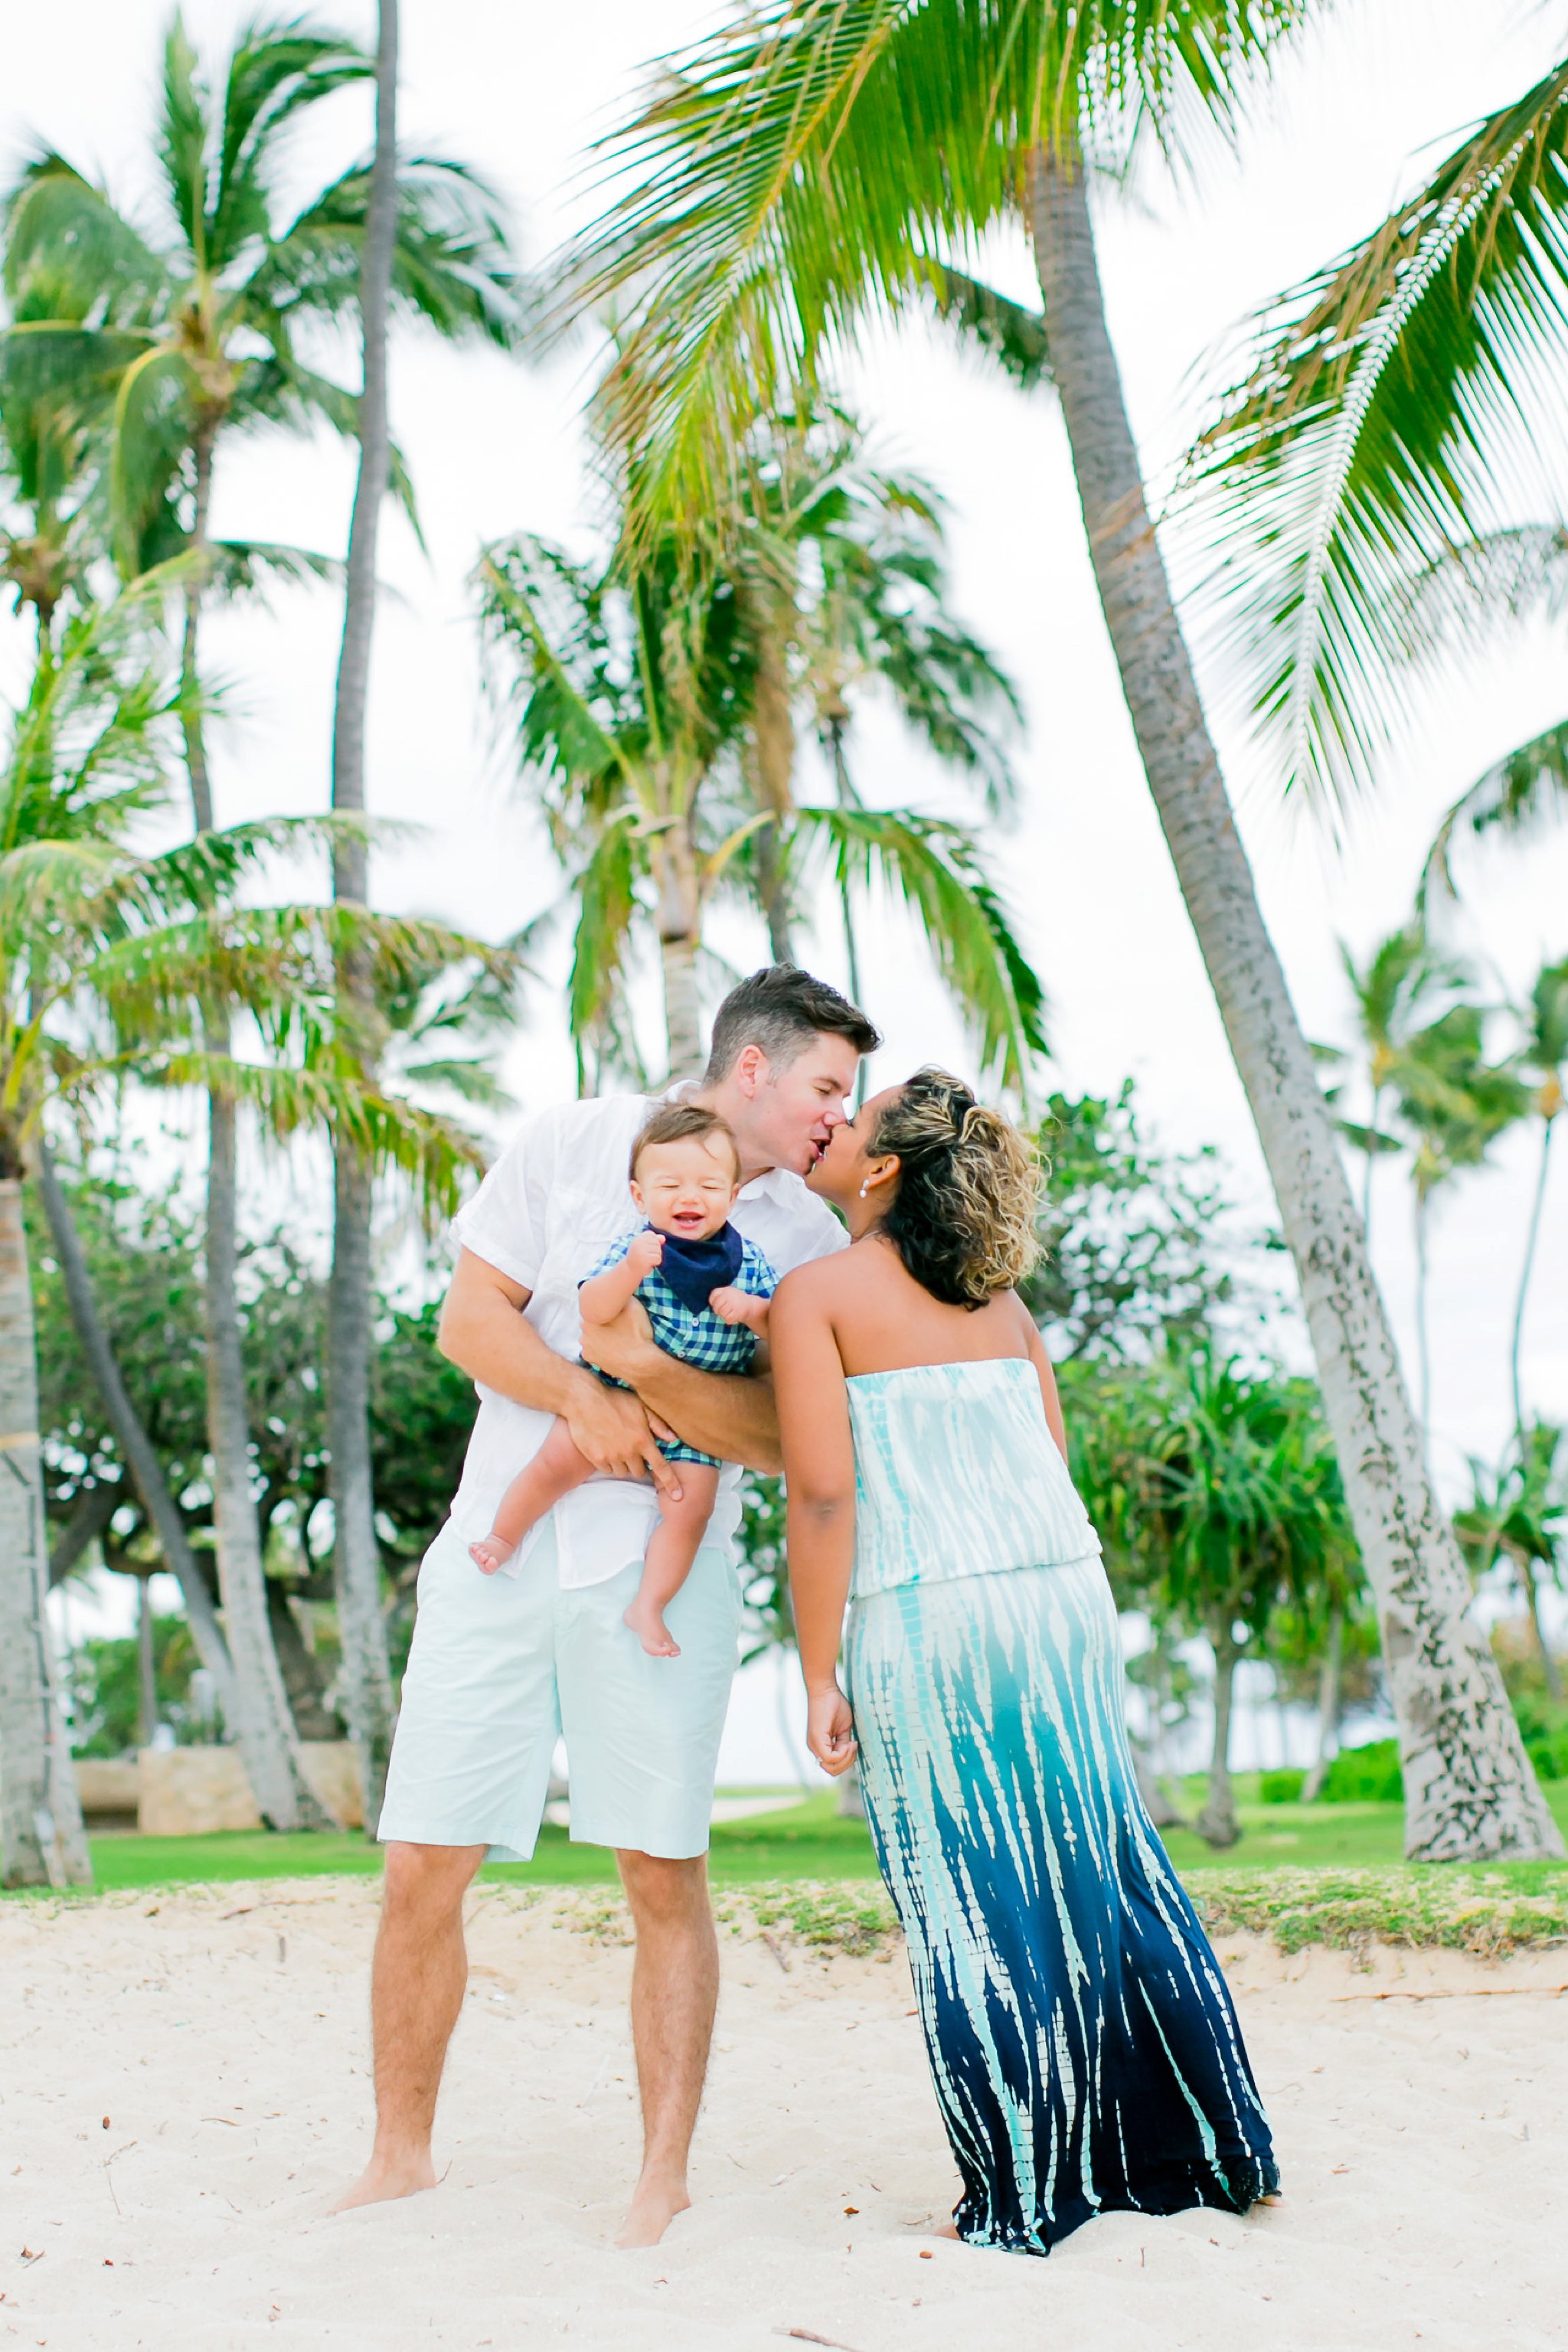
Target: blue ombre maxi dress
x=1085, y=2052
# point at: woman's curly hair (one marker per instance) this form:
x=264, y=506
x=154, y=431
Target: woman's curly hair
x=969, y=1184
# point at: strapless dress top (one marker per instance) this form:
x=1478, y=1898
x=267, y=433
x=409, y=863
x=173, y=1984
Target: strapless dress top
x=956, y=1474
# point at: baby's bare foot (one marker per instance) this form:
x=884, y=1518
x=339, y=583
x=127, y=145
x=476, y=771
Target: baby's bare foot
x=491, y=1553
x=651, y=1630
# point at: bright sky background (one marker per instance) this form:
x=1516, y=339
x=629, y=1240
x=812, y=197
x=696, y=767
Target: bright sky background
x=495, y=447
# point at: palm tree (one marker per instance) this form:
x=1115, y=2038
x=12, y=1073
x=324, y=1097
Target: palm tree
x=1545, y=1058
x=356, y=1567
x=818, y=159
x=634, y=689
x=214, y=319
x=49, y=402
x=1519, y=1514
x=1402, y=987
x=1363, y=476
x=1453, y=1104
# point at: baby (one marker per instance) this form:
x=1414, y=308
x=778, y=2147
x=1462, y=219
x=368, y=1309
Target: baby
x=706, y=1289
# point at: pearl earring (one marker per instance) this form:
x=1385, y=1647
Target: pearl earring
x=864, y=1185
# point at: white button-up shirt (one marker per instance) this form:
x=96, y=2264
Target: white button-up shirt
x=553, y=1203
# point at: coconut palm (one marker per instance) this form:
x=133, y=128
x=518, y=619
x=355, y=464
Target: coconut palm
x=1519, y=1514
x=50, y=401
x=817, y=159
x=1402, y=988
x=1364, y=478
x=842, y=570
x=634, y=689
x=1453, y=1104
x=367, y=1673
x=1545, y=1060
x=214, y=318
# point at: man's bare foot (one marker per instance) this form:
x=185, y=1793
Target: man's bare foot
x=385, y=2177
x=654, y=1634
x=652, y=2210
x=490, y=1553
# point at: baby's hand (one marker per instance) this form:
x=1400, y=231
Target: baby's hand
x=732, y=1306
x=646, y=1252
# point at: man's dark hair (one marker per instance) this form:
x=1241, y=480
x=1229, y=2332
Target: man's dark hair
x=782, y=1009
x=681, y=1123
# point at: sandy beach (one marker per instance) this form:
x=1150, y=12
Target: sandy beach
x=183, y=2084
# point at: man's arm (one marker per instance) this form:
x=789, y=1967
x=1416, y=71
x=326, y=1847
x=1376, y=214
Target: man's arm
x=729, y=1415
x=484, y=1332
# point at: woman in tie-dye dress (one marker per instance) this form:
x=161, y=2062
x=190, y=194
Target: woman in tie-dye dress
x=1085, y=2051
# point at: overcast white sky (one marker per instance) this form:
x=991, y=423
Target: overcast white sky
x=495, y=447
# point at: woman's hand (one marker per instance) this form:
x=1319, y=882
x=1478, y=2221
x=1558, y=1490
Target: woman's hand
x=830, y=1730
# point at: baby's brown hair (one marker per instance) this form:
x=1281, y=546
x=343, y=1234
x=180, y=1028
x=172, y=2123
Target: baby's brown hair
x=683, y=1123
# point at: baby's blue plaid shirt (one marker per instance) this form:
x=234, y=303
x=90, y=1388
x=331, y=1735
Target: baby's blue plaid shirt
x=703, y=1339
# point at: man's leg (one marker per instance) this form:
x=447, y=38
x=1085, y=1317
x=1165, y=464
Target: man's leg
x=417, y=1980
x=675, y=1989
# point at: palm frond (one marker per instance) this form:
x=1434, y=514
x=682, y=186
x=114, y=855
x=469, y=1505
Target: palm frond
x=933, y=866
x=274, y=71
x=453, y=268
x=69, y=255
x=1007, y=332
x=1392, y=410
x=1517, y=798
x=810, y=162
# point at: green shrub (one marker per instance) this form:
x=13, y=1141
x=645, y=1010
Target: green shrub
x=1282, y=1788
x=1365, y=1775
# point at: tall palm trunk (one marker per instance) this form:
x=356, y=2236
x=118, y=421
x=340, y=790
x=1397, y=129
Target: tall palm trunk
x=1548, y=1668
x=772, y=764
x=679, y=918
x=264, y=1727
x=356, y=1562
x=1423, y=1332
x=1218, y=1824
x=1516, y=1349
x=845, y=791
x=1469, y=1790
x=132, y=1437
x=260, y=1721
x=146, y=1662
x=1330, y=1673
x=42, y=1842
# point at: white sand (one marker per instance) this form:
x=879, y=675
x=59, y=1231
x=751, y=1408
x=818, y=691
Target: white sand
x=222, y=2033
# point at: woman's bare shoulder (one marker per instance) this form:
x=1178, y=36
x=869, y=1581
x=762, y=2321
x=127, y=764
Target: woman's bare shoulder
x=824, y=1278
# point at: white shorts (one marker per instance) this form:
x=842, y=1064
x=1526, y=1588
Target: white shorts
x=503, y=1667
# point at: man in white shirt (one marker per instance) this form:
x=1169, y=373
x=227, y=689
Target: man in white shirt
x=501, y=1665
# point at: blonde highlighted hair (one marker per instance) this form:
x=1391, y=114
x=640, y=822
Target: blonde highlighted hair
x=963, y=1217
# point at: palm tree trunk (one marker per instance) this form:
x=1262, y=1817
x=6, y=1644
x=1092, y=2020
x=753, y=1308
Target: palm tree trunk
x=261, y=1722
x=1218, y=1824
x=679, y=918
x=132, y=1437
x=1469, y=1790
x=773, y=763
x=1330, y=1673
x=845, y=791
x=1371, y=1163
x=356, y=1560
x=1517, y=1348
x=682, y=1010
x=42, y=1842
x=1553, y=1679
x=1423, y=1335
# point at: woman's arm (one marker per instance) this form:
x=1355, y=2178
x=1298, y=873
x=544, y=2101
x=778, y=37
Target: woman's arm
x=819, y=1479
x=1042, y=1364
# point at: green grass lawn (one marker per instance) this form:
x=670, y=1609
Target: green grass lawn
x=809, y=1841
